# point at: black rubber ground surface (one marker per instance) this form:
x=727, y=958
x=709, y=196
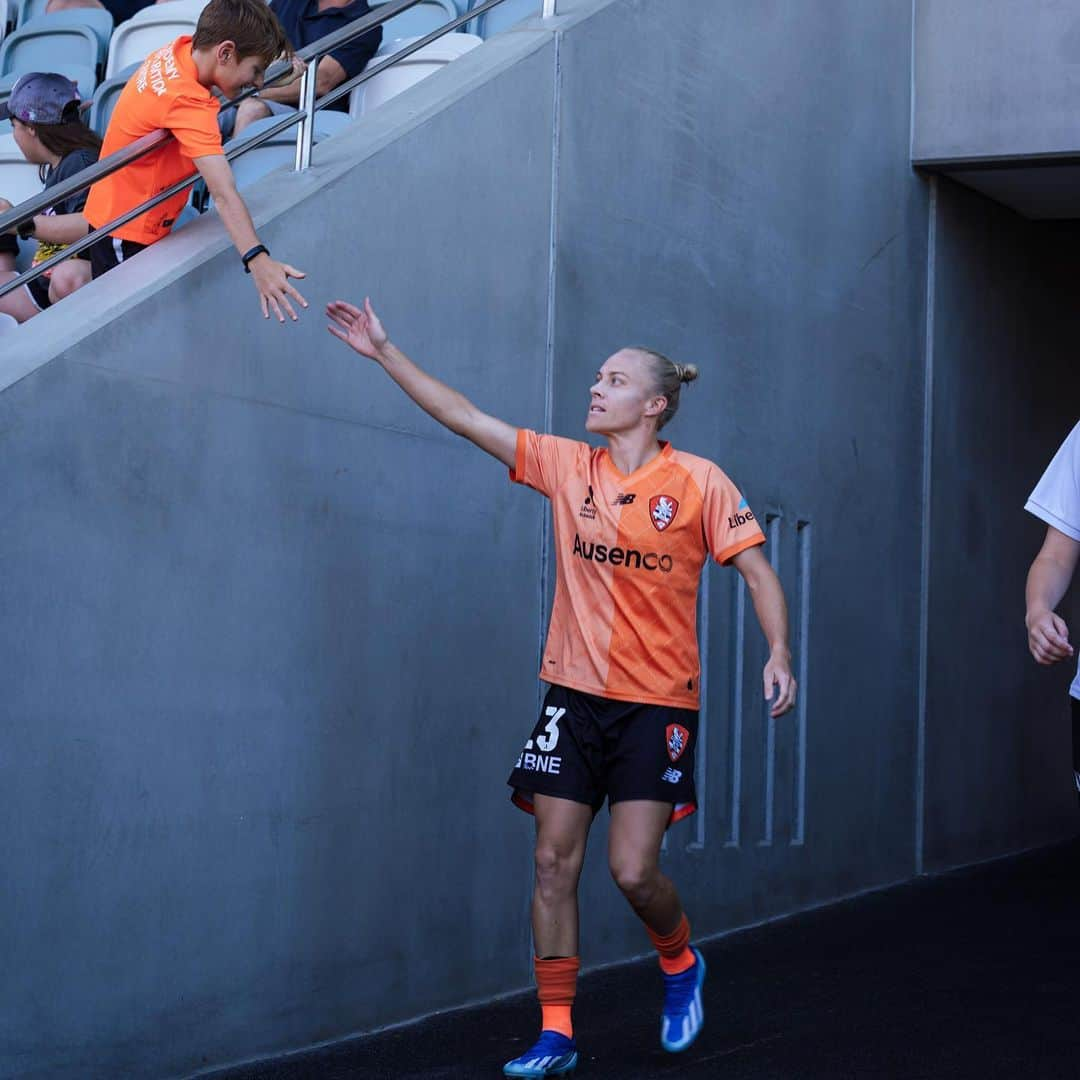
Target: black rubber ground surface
x=974, y=974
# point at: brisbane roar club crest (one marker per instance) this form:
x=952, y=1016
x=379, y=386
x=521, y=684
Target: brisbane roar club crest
x=662, y=511
x=678, y=739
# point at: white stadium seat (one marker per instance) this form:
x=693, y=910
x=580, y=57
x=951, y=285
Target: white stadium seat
x=133, y=41
x=417, y=21
x=410, y=71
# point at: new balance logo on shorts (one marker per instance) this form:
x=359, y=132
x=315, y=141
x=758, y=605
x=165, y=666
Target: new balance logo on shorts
x=672, y=776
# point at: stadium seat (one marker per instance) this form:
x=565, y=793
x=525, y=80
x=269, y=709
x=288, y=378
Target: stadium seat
x=408, y=72
x=105, y=98
x=96, y=19
x=28, y=9
x=30, y=49
x=277, y=151
x=19, y=180
x=508, y=13
x=419, y=20
x=83, y=77
x=25, y=258
x=133, y=41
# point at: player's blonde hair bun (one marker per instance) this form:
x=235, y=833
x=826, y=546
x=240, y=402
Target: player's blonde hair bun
x=669, y=377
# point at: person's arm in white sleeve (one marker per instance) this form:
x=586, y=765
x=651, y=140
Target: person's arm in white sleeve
x=1047, y=582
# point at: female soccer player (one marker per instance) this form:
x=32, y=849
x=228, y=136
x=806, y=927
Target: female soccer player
x=634, y=524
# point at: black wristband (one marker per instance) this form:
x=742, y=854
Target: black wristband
x=26, y=229
x=258, y=249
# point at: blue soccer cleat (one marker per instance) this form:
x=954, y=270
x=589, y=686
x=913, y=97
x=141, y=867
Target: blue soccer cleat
x=553, y=1055
x=684, y=1015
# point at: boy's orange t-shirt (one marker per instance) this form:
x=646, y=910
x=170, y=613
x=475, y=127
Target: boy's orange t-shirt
x=165, y=93
x=629, y=556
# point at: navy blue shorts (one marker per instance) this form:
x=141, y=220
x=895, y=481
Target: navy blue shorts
x=587, y=748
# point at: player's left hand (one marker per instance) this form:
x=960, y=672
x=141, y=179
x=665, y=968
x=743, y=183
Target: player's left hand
x=778, y=679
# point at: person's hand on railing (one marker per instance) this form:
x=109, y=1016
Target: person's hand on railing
x=293, y=74
x=272, y=283
x=5, y=206
x=360, y=330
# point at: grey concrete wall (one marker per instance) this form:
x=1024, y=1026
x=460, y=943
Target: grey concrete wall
x=995, y=79
x=1005, y=393
x=271, y=635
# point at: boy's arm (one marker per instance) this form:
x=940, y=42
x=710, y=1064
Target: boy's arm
x=271, y=277
x=771, y=610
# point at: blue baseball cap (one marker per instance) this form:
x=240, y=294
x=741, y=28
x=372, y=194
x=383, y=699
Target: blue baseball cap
x=42, y=98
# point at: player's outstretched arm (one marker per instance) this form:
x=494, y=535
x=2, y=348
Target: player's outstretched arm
x=362, y=331
x=271, y=277
x=1047, y=581
x=771, y=610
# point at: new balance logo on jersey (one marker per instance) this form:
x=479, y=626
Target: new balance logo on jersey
x=588, y=507
x=672, y=776
x=620, y=556
x=623, y=500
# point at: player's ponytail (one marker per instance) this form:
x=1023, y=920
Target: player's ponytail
x=669, y=377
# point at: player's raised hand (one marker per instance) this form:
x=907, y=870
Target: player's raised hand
x=360, y=330
x=1048, y=638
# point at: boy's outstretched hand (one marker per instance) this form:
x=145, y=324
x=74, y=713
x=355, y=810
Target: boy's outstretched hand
x=360, y=330
x=272, y=282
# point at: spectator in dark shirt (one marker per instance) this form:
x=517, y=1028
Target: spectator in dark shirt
x=44, y=113
x=305, y=21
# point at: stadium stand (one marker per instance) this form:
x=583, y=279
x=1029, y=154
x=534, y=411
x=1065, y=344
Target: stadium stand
x=419, y=20
x=53, y=48
x=82, y=44
x=19, y=179
x=96, y=19
x=28, y=10
x=409, y=71
x=105, y=98
x=150, y=29
x=278, y=150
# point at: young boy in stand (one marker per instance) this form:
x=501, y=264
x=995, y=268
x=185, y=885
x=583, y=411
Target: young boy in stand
x=234, y=42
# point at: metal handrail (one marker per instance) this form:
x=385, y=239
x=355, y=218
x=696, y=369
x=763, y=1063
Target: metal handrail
x=303, y=118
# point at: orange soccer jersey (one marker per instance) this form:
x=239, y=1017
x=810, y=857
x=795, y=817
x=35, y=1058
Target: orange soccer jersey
x=630, y=551
x=164, y=93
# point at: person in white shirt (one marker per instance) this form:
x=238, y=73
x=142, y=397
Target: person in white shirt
x=1056, y=500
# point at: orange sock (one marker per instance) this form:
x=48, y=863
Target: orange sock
x=556, y=985
x=674, y=948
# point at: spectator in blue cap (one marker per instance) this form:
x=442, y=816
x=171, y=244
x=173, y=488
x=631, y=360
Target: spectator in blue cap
x=44, y=110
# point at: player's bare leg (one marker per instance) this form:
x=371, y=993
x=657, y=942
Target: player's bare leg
x=562, y=831
x=637, y=830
